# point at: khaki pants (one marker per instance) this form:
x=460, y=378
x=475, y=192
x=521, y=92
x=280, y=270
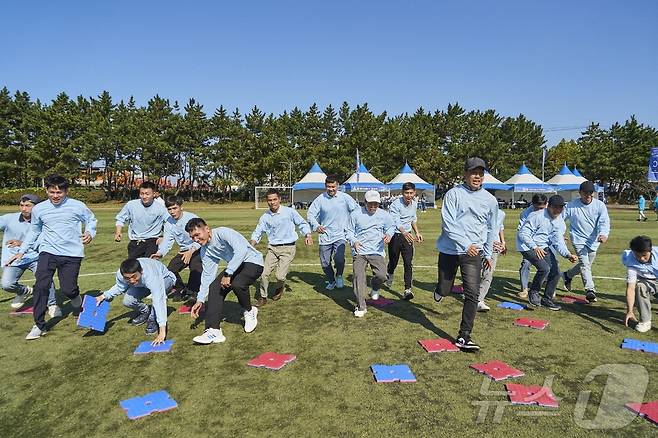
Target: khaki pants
x=645, y=291
x=277, y=259
x=359, y=265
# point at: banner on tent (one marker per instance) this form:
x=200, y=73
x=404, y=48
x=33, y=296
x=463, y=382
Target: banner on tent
x=653, y=166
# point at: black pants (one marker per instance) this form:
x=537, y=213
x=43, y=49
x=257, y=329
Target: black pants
x=471, y=269
x=142, y=248
x=548, y=270
x=242, y=278
x=399, y=245
x=67, y=269
x=176, y=265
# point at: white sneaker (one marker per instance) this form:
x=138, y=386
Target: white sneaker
x=331, y=285
x=408, y=295
x=643, y=327
x=482, y=307
x=54, y=311
x=360, y=313
x=389, y=280
x=35, y=333
x=250, y=319
x=374, y=294
x=339, y=282
x=20, y=299
x=210, y=336
x=76, y=302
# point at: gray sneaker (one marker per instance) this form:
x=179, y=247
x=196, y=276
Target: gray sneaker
x=20, y=299
x=534, y=299
x=35, y=333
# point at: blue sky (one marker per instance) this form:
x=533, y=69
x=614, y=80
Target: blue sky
x=561, y=63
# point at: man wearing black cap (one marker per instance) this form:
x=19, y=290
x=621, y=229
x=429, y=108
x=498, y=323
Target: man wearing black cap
x=14, y=227
x=539, y=238
x=589, y=226
x=468, y=227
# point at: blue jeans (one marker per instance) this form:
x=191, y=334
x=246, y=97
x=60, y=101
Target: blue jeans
x=524, y=273
x=337, y=250
x=584, y=266
x=11, y=275
x=548, y=270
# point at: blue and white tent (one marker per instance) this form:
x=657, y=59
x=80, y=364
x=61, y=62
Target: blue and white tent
x=310, y=186
x=493, y=183
x=362, y=181
x=575, y=171
x=407, y=174
x=525, y=182
x=565, y=180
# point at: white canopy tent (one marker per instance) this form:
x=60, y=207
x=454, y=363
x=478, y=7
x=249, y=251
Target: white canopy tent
x=407, y=174
x=310, y=186
x=525, y=182
x=568, y=183
x=362, y=181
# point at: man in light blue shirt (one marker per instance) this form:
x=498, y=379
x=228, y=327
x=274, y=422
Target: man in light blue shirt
x=539, y=238
x=328, y=215
x=641, y=204
x=139, y=278
x=469, y=216
x=403, y=211
x=244, y=267
x=188, y=250
x=539, y=201
x=56, y=228
x=14, y=227
x=279, y=224
x=641, y=263
x=368, y=229
x=146, y=220
x=589, y=226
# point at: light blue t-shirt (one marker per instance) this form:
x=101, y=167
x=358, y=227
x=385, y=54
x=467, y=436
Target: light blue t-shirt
x=153, y=279
x=145, y=222
x=280, y=226
x=369, y=230
x=587, y=222
x=637, y=270
x=332, y=212
x=174, y=232
x=228, y=245
x=15, y=227
x=468, y=218
x=543, y=231
x=403, y=215
x=57, y=229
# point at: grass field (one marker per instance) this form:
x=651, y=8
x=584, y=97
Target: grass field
x=70, y=382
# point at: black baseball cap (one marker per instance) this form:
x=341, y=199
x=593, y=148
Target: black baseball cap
x=474, y=163
x=556, y=201
x=587, y=187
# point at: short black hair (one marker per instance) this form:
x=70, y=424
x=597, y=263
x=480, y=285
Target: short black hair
x=56, y=181
x=148, y=185
x=130, y=266
x=272, y=191
x=331, y=179
x=539, y=198
x=173, y=200
x=195, y=223
x=408, y=186
x=641, y=244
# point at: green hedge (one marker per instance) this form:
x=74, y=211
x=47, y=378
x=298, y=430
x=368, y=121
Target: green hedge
x=84, y=194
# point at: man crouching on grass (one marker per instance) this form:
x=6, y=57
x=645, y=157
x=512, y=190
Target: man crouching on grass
x=139, y=278
x=244, y=267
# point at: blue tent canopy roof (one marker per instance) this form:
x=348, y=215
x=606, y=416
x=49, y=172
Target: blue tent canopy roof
x=565, y=171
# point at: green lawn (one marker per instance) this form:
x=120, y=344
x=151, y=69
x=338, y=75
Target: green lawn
x=70, y=382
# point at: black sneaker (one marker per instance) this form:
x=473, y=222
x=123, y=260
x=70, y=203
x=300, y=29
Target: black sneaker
x=151, y=327
x=590, y=296
x=467, y=344
x=141, y=318
x=567, y=281
x=437, y=296
x=408, y=295
x=534, y=299
x=550, y=305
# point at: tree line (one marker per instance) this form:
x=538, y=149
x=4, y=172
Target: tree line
x=213, y=155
